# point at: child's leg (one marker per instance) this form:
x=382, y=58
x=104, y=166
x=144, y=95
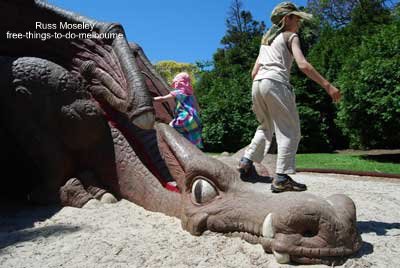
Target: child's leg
x=259, y=145
x=283, y=111
x=261, y=141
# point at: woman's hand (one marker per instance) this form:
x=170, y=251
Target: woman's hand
x=333, y=92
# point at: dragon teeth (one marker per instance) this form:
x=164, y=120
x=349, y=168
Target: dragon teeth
x=281, y=258
x=267, y=228
x=268, y=232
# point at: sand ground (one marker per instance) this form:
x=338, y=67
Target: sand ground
x=126, y=235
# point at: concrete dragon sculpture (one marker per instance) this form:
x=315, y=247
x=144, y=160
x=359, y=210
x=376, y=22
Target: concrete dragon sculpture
x=81, y=112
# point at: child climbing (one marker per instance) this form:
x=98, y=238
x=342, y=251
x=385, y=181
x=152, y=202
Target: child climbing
x=186, y=120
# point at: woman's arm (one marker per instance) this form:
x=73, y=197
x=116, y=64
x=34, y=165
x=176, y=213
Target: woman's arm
x=310, y=71
x=163, y=98
x=256, y=67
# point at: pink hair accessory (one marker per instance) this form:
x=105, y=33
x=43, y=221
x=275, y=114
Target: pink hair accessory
x=182, y=82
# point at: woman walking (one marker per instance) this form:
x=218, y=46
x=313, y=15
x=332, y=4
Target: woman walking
x=273, y=98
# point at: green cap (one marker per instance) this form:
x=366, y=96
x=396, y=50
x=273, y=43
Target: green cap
x=278, y=26
x=287, y=8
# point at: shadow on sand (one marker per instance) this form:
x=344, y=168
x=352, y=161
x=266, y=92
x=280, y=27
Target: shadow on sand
x=254, y=177
x=366, y=249
x=380, y=228
x=17, y=220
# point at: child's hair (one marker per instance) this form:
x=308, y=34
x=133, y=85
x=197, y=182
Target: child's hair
x=182, y=81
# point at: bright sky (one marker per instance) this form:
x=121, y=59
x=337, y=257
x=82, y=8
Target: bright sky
x=184, y=31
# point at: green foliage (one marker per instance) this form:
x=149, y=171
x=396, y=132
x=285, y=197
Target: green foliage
x=321, y=131
x=352, y=162
x=339, y=13
x=370, y=111
x=168, y=69
x=224, y=93
x=315, y=108
x=370, y=12
x=359, y=53
x=314, y=119
x=228, y=120
x=336, y=13
x=317, y=112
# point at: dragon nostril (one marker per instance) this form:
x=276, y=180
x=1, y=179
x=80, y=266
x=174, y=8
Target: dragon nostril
x=309, y=233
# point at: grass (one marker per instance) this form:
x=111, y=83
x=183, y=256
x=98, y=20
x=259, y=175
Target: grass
x=212, y=154
x=382, y=163
x=372, y=163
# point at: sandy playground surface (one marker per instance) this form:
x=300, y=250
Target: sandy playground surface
x=126, y=235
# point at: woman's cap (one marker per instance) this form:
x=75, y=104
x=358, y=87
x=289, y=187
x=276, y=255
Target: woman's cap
x=287, y=8
x=278, y=23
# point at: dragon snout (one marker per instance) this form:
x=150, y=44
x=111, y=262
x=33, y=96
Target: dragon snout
x=324, y=237
x=269, y=233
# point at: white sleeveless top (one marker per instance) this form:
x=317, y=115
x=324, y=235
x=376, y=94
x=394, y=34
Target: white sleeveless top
x=276, y=59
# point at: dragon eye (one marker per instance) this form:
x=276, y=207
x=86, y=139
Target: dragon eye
x=203, y=191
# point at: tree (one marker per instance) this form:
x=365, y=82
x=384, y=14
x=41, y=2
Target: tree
x=339, y=13
x=336, y=13
x=330, y=54
x=316, y=111
x=328, y=51
x=358, y=53
x=168, y=69
x=370, y=111
x=224, y=92
x=240, y=26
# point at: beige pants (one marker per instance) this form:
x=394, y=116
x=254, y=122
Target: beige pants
x=274, y=104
